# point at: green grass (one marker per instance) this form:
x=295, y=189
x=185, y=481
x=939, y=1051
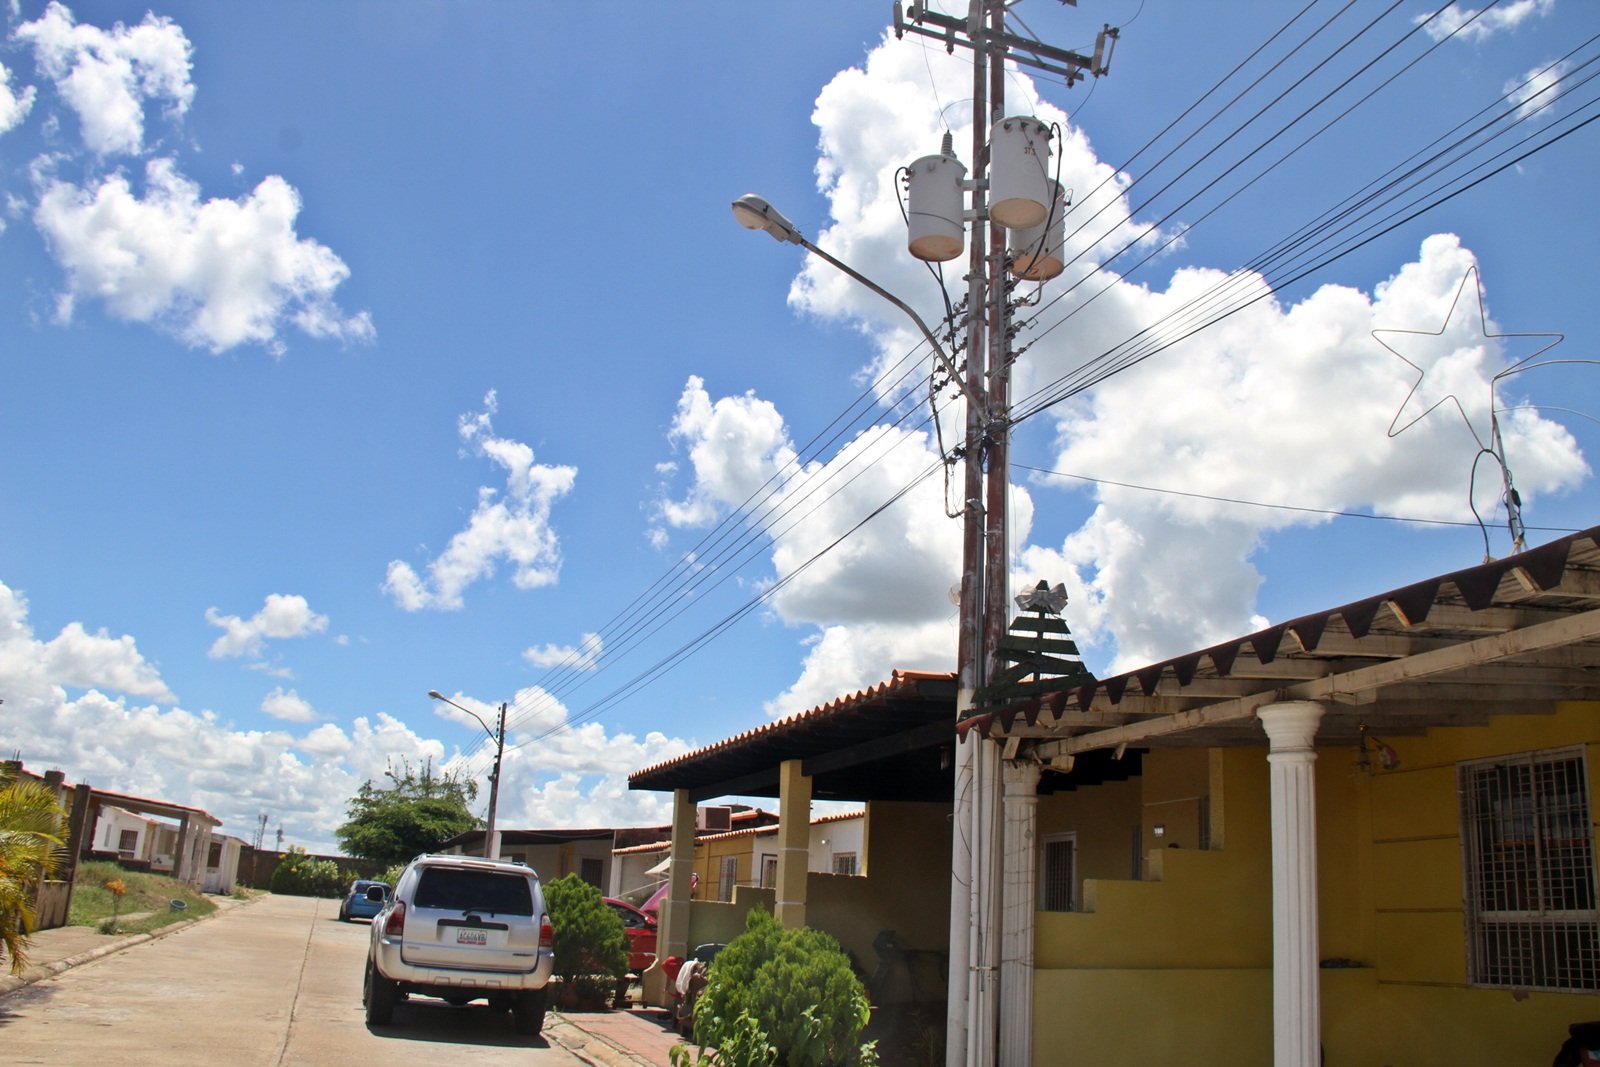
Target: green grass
x=148, y=897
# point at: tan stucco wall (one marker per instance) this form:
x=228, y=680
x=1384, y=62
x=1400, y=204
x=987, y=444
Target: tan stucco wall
x=908, y=892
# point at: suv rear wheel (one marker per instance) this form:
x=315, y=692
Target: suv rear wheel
x=527, y=1013
x=379, y=995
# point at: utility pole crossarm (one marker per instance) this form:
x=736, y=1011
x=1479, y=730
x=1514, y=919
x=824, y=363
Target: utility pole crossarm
x=1023, y=50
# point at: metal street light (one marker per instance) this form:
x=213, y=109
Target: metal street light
x=491, y=849
x=754, y=213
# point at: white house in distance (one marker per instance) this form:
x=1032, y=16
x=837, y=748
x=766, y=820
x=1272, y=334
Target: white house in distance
x=729, y=854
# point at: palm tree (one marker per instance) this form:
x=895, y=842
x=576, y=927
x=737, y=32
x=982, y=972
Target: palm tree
x=30, y=842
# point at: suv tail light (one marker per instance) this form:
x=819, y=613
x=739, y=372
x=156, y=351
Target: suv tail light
x=395, y=924
x=547, y=934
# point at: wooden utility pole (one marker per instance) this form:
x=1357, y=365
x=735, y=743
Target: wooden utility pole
x=971, y=1019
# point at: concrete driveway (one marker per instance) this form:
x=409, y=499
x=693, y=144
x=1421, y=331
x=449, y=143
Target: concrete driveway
x=276, y=982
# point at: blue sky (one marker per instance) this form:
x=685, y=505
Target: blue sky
x=349, y=351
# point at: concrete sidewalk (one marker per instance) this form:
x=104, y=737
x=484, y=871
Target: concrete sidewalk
x=633, y=1038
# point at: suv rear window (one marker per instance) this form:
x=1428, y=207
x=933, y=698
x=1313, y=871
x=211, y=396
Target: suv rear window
x=456, y=889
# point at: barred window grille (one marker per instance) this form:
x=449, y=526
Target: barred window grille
x=730, y=875
x=1528, y=849
x=1058, y=870
x=844, y=863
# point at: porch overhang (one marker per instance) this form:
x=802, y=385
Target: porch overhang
x=1510, y=636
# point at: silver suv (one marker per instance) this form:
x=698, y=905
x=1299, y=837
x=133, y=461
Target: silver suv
x=462, y=929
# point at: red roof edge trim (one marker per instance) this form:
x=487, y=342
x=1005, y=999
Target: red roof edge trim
x=1415, y=601
x=1359, y=616
x=1266, y=644
x=1308, y=631
x=1057, y=703
x=981, y=723
x=1546, y=564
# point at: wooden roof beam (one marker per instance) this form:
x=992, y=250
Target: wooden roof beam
x=1564, y=630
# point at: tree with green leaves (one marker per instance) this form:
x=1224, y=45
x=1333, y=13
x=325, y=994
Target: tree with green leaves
x=590, y=940
x=30, y=843
x=794, y=988
x=413, y=814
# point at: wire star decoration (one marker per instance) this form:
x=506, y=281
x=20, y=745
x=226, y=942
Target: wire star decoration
x=1491, y=445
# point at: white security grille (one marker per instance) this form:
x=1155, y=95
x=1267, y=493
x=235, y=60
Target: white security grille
x=1528, y=847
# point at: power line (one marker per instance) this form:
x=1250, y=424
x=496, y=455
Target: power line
x=1331, y=512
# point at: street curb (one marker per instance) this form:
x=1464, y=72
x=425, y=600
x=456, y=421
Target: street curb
x=590, y=1048
x=10, y=983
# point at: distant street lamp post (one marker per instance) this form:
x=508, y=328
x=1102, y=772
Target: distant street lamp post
x=491, y=848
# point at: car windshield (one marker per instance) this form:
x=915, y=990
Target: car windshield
x=457, y=889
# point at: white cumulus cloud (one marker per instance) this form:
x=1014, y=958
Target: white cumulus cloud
x=585, y=656
x=288, y=705
x=215, y=273
x=14, y=104
x=280, y=617
x=106, y=76
x=1286, y=402
x=108, y=738
x=1481, y=23
x=511, y=525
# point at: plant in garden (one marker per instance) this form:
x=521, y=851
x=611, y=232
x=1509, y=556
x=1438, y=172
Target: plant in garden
x=591, y=948
x=117, y=888
x=744, y=1045
x=798, y=988
x=30, y=841
x=301, y=875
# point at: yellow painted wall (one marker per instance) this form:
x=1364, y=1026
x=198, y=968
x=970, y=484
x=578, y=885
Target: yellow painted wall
x=708, y=856
x=1179, y=967
x=908, y=891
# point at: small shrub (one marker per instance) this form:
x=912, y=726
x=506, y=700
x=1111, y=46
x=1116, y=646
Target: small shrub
x=299, y=875
x=743, y=1046
x=591, y=949
x=798, y=989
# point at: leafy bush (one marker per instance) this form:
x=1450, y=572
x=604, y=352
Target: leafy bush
x=590, y=942
x=744, y=1045
x=299, y=875
x=797, y=987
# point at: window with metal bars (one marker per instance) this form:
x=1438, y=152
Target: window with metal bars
x=1528, y=852
x=1058, y=872
x=730, y=877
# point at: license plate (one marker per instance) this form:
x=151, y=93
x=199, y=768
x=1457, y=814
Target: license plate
x=472, y=937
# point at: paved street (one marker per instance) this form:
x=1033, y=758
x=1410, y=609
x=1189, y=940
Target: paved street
x=275, y=983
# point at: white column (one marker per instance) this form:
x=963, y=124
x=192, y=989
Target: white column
x=1019, y=888
x=1296, y=983
x=957, y=1004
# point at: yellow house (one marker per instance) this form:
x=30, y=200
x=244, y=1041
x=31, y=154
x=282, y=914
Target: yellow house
x=1365, y=836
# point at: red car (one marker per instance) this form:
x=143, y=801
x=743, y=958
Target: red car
x=641, y=931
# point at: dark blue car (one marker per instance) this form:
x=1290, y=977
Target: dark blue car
x=359, y=904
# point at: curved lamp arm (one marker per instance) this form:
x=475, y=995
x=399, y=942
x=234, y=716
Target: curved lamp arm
x=754, y=213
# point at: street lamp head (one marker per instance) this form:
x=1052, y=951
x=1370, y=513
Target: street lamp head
x=435, y=694
x=754, y=213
